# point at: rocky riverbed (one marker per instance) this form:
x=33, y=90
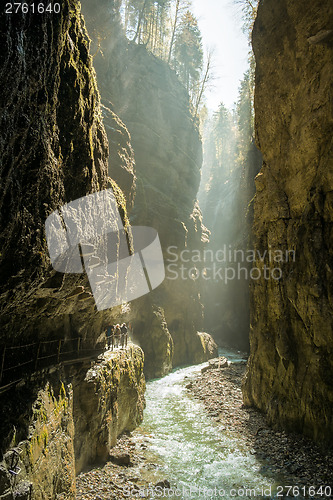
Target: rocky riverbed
x=304, y=463
x=130, y=469
x=289, y=459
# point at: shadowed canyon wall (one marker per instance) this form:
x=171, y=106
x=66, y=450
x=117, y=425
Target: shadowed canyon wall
x=60, y=428
x=290, y=369
x=54, y=149
x=153, y=104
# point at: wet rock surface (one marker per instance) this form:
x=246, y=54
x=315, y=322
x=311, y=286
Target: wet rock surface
x=298, y=458
x=54, y=149
x=41, y=457
x=63, y=428
x=108, y=400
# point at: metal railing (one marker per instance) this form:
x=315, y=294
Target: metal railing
x=18, y=362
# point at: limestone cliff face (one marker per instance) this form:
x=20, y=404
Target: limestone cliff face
x=59, y=429
x=53, y=150
x=150, y=100
x=290, y=368
x=121, y=154
x=108, y=400
x=44, y=437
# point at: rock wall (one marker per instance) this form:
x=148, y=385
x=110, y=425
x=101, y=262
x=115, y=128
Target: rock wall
x=290, y=370
x=53, y=149
x=108, y=400
x=153, y=104
x=43, y=434
x=60, y=429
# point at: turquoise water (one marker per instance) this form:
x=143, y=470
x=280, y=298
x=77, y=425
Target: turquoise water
x=198, y=458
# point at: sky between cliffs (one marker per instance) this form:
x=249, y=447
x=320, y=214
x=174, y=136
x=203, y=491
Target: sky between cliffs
x=221, y=27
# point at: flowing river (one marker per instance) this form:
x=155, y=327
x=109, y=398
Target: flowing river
x=192, y=451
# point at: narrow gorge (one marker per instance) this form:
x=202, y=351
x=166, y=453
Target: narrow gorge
x=112, y=96
x=168, y=157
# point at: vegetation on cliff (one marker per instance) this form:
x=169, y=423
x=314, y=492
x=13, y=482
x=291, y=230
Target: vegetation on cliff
x=53, y=150
x=169, y=30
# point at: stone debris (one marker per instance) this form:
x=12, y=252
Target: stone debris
x=116, y=478
x=163, y=484
x=120, y=458
x=221, y=362
x=299, y=459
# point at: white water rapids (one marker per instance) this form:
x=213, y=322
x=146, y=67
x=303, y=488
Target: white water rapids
x=198, y=458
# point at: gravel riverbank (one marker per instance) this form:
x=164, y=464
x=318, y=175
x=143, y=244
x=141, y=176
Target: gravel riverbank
x=129, y=469
x=302, y=462
x=296, y=459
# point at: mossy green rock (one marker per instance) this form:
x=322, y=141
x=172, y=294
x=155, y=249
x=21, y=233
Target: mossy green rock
x=44, y=436
x=62, y=428
x=108, y=400
x=54, y=149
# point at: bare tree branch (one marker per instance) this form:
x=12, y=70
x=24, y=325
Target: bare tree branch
x=204, y=82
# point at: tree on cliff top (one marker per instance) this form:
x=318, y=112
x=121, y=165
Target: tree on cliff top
x=145, y=21
x=188, y=58
x=170, y=31
x=249, y=12
x=224, y=133
x=180, y=7
x=244, y=109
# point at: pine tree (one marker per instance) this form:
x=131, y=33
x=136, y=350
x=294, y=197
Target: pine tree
x=188, y=57
x=225, y=139
x=205, y=79
x=180, y=7
x=249, y=12
x=245, y=113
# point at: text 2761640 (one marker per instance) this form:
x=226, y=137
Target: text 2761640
x=35, y=8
